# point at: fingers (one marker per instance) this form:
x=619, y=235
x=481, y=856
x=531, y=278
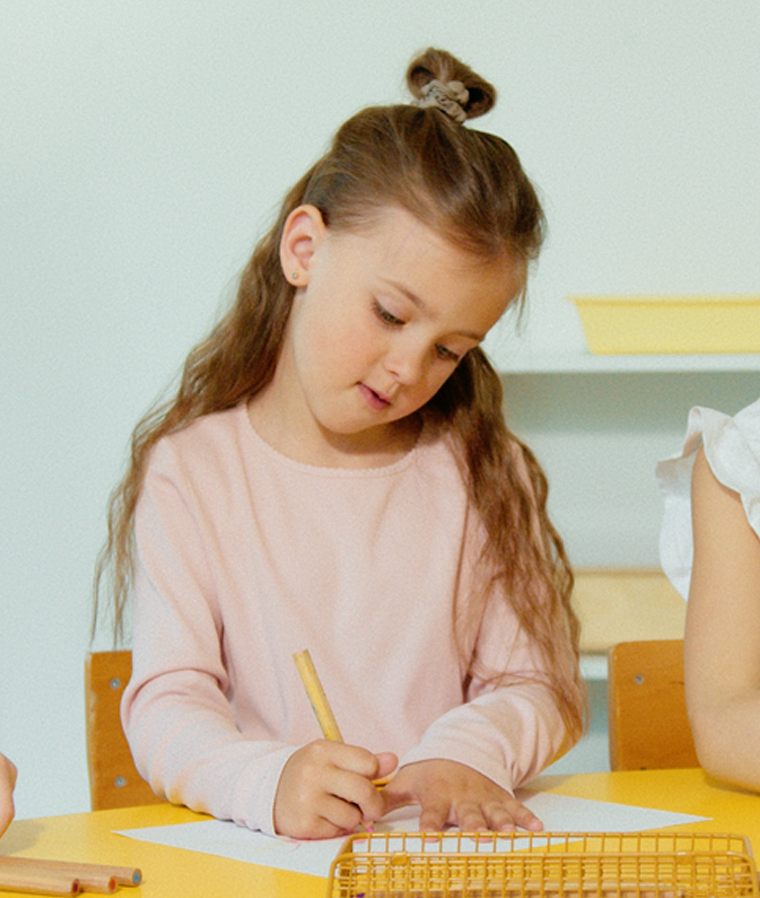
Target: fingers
x=387, y=763
x=434, y=815
x=525, y=818
x=363, y=762
x=6, y=815
x=471, y=816
x=326, y=790
x=449, y=793
x=357, y=789
x=504, y=816
x=7, y=783
x=338, y=818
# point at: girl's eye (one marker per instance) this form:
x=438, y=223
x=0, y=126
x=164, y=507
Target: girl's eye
x=388, y=318
x=385, y=316
x=446, y=354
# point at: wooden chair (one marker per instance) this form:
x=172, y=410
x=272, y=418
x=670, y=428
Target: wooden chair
x=646, y=706
x=114, y=780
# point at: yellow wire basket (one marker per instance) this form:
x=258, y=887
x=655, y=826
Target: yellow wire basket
x=543, y=865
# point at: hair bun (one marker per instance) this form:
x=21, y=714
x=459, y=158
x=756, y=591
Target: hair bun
x=435, y=77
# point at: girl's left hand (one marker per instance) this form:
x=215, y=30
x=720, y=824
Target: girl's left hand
x=7, y=782
x=451, y=793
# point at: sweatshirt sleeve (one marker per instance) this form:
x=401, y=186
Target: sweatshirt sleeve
x=508, y=732
x=175, y=711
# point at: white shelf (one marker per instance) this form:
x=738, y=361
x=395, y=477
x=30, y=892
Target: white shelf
x=593, y=667
x=560, y=362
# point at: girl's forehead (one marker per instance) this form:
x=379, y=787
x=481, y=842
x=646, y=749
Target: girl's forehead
x=402, y=254
x=394, y=234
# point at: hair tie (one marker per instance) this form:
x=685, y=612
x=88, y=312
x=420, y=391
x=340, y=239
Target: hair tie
x=451, y=98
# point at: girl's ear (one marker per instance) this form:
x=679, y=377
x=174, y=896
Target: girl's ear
x=304, y=231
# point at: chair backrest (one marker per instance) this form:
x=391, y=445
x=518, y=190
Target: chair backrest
x=114, y=780
x=646, y=706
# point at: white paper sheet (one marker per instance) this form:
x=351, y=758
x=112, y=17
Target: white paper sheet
x=559, y=813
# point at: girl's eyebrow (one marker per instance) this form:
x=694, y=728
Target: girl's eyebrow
x=422, y=306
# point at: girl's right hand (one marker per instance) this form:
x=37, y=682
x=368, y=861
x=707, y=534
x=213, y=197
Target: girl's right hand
x=326, y=790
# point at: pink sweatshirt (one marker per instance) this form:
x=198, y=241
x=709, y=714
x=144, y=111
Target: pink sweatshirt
x=245, y=557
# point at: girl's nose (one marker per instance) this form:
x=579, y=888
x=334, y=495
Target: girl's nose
x=407, y=367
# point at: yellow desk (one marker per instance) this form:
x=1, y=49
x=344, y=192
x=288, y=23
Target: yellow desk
x=175, y=873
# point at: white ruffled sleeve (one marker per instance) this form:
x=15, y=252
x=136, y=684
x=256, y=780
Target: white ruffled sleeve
x=732, y=448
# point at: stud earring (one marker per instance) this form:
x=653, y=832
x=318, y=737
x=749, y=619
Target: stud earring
x=294, y=275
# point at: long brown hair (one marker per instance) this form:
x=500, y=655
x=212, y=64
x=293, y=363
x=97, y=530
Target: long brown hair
x=469, y=186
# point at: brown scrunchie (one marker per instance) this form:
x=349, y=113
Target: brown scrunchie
x=451, y=98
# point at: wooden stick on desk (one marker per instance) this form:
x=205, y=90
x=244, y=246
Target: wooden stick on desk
x=38, y=880
x=89, y=875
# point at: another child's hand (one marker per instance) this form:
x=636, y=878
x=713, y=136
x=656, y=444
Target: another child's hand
x=451, y=793
x=326, y=790
x=7, y=783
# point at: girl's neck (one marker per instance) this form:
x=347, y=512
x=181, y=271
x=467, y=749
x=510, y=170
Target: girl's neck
x=374, y=448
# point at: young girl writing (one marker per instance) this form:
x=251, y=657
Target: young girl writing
x=710, y=548
x=335, y=474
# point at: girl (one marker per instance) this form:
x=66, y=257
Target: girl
x=710, y=548
x=335, y=474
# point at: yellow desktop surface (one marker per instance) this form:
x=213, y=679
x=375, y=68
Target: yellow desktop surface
x=177, y=873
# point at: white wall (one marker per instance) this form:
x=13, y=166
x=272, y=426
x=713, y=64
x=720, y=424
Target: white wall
x=144, y=145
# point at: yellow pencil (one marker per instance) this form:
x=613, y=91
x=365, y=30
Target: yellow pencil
x=321, y=706
x=317, y=696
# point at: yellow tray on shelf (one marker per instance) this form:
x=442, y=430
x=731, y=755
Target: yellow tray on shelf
x=632, y=324
x=543, y=865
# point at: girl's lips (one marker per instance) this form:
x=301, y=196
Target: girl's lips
x=374, y=400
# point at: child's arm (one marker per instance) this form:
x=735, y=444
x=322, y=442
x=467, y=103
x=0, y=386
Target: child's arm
x=722, y=643
x=7, y=784
x=181, y=726
x=194, y=754
x=178, y=720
